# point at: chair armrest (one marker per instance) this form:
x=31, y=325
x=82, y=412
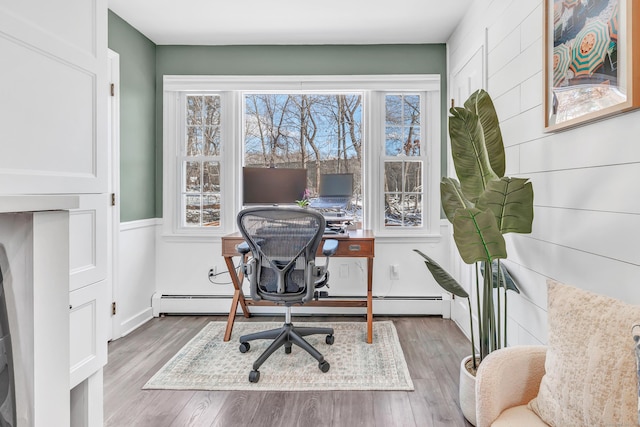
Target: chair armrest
x=506, y=378
x=329, y=247
x=243, y=248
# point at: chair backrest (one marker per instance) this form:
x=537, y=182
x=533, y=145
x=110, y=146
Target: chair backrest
x=283, y=242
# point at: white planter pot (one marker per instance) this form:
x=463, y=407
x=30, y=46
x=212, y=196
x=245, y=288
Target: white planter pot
x=467, y=392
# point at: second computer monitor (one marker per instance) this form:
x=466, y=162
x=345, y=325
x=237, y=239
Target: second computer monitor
x=336, y=185
x=336, y=190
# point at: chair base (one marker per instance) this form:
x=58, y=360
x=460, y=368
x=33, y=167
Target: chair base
x=286, y=336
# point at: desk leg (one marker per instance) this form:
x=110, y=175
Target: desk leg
x=237, y=298
x=369, y=300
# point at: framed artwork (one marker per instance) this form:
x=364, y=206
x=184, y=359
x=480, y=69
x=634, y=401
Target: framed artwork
x=591, y=60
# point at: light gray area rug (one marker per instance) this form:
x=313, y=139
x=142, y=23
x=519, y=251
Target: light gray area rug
x=209, y=363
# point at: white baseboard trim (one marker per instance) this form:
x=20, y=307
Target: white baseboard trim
x=220, y=304
x=136, y=321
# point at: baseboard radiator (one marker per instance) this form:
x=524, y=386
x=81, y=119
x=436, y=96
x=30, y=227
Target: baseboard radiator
x=219, y=304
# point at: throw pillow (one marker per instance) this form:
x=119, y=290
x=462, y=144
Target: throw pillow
x=590, y=369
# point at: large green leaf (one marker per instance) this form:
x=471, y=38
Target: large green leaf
x=481, y=104
x=444, y=279
x=452, y=197
x=477, y=236
x=469, y=152
x=511, y=201
x=505, y=277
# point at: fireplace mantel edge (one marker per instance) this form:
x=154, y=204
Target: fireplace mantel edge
x=37, y=203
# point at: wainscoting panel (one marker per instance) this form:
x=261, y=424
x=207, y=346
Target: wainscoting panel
x=137, y=273
x=88, y=237
x=88, y=349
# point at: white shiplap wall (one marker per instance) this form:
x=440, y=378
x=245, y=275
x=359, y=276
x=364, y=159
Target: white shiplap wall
x=586, y=229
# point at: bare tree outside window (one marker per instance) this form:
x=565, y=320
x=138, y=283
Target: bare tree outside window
x=200, y=162
x=403, y=187
x=319, y=132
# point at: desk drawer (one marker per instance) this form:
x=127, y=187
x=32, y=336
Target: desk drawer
x=354, y=248
x=229, y=246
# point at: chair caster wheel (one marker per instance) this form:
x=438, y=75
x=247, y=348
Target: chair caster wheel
x=244, y=347
x=287, y=350
x=324, y=366
x=254, y=376
x=329, y=339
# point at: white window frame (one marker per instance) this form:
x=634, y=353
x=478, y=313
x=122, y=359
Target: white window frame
x=430, y=157
x=231, y=88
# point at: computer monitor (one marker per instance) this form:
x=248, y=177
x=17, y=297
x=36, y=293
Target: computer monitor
x=272, y=186
x=336, y=190
x=336, y=185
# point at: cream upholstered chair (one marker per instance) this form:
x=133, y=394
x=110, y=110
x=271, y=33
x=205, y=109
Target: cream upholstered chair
x=585, y=376
x=506, y=382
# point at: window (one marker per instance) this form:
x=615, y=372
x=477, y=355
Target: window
x=403, y=161
x=200, y=162
x=317, y=132
x=385, y=130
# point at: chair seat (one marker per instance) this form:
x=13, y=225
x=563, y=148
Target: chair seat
x=520, y=416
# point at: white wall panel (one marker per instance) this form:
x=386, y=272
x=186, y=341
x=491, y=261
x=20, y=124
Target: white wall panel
x=504, y=103
x=530, y=92
x=522, y=128
x=524, y=66
x=508, y=20
x=505, y=51
x=565, y=189
x=72, y=24
x=525, y=338
x=531, y=28
x=586, y=228
x=608, y=142
x=607, y=234
x=33, y=122
x=54, y=91
x=512, y=157
x=599, y=274
x=472, y=27
x=527, y=315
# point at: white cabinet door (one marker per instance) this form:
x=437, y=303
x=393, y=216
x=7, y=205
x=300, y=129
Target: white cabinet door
x=87, y=331
x=88, y=241
x=54, y=96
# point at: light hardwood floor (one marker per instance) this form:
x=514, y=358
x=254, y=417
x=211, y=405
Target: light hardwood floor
x=433, y=348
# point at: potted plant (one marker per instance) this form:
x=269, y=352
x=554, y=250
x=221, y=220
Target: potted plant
x=304, y=202
x=482, y=205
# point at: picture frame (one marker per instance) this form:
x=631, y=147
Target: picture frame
x=591, y=60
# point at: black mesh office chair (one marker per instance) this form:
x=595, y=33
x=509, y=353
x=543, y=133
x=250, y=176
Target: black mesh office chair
x=281, y=268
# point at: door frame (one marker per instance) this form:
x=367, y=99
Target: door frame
x=114, y=326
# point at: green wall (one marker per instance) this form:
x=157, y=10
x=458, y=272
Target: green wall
x=299, y=60
x=143, y=65
x=138, y=175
